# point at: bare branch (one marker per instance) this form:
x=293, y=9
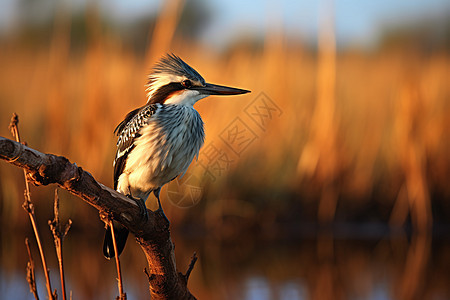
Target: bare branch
x=58, y=236
x=31, y=277
x=153, y=234
x=122, y=295
x=191, y=266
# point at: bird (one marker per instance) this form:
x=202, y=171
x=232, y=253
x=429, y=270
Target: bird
x=158, y=141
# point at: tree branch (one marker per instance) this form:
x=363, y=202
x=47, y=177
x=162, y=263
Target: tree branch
x=152, y=235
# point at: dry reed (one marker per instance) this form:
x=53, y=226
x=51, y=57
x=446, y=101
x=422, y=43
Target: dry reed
x=350, y=125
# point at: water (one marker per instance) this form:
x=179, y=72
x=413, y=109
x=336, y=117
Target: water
x=324, y=266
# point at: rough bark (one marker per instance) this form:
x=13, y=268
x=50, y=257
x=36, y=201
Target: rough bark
x=153, y=235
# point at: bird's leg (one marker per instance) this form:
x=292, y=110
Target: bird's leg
x=160, y=209
x=140, y=203
x=156, y=193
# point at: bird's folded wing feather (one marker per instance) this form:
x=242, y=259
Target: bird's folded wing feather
x=127, y=132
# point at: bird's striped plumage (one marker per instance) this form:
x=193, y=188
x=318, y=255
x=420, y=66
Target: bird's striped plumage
x=156, y=144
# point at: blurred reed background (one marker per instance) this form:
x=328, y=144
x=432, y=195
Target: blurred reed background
x=336, y=143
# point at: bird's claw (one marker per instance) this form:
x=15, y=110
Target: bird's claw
x=142, y=208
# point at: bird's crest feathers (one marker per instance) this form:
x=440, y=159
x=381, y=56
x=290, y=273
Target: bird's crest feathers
x=172, y=64
x=169, y=69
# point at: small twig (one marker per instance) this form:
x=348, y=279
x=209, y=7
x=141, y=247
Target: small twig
x=29, y=208
x=31, y=278
x=14, y=128
x=58, y=235
x=122, y=295
x=191, y=266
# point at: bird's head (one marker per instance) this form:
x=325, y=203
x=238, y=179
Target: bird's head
x=175, y=82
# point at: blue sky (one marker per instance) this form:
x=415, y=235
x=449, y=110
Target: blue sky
x=357, y=22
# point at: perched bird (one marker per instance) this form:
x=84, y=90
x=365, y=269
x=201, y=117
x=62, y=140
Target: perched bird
x=158, y=141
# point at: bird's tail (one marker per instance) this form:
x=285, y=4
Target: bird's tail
x=121, y=234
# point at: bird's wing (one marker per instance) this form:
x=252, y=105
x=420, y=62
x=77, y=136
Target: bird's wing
x=127, y=132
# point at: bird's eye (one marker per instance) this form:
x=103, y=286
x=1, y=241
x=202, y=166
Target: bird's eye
x=186, y=83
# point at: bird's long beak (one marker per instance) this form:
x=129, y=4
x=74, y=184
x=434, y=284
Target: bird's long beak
x=214, y=89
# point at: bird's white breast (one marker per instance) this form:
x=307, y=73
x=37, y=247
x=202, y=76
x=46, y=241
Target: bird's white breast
x=165, y=149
